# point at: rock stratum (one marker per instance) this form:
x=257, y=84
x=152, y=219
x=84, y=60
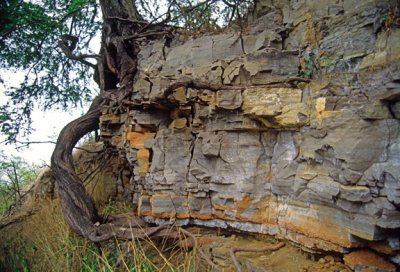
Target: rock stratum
x=288, y=126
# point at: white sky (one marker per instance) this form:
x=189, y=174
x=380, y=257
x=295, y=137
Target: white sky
x=46, y=126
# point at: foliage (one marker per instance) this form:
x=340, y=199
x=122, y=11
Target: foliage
x=308, y=64
x=194, y=15
x=29, y=33
x=15, y=174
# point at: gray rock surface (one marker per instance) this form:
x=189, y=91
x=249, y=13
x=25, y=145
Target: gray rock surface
x=316, y=162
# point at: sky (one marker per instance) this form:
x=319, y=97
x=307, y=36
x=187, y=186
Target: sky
x=46, y=126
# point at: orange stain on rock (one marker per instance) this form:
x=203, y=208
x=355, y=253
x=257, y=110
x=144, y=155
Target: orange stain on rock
x=243, y=204
x=143, y=154
x=137, y=139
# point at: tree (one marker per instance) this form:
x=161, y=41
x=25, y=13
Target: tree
x=15, y=173
x=29, y=34
x=53, y=36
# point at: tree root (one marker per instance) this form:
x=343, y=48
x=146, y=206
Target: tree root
x=251, y=249
x=162, y=232
x=195, y=245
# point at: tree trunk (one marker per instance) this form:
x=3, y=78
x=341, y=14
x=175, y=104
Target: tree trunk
x=79, y=209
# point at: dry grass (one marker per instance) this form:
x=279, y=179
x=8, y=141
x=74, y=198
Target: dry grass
x=44, y=242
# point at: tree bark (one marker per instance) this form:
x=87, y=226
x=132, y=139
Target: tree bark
x=79, y=209
x=117, y=65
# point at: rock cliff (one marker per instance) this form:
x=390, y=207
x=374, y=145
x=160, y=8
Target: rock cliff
x=289, y=126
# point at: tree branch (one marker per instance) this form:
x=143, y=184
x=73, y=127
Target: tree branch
x=16, y=181
x=126, y=20
x=26, y=144
x=68, y=43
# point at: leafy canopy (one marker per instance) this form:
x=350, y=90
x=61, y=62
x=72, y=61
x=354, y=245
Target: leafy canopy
x=29, y=35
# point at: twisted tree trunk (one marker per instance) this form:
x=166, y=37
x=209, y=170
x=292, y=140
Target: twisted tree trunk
x=115, y=66
x=79, y=209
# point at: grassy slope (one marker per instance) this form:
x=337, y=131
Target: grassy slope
x=40, y=240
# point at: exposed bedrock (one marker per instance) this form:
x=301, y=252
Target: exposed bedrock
x=316, y=161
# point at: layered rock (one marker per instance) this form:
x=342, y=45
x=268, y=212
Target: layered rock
x=290, y=129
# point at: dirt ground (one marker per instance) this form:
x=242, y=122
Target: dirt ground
x=289, y=258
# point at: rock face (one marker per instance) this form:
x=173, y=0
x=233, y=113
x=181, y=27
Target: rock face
x=364, y=260
x=314, y=159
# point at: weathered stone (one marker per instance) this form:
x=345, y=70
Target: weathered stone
x=267, y=39
x=110, y=119
x=163, y=205
x=271, y=66
x=268, y=19
x=211, y=74
x=159, y=84
x=232, y=72
x=349, y=206
x=211, y=144
x=365, y=260
x=378, y=206
x=151, y=56
x=355, y=193
x=283, y=181
x=392, y=188
x=389, y=50
x=346, y=145
x=181, y=111
x=395, y=109
x=143, y=86
x=179, y=95
x=292, y=115
x=144, y=205
x=229, y=99
x=200, y=208
x=137, y=139
x=361, y=38
x=154, y=119
x=375, y=111
x=324, y=187
x=178, y=123
x=143, y=157
x=316, y=162
x=229, y=122
x=269, y=101
x=285, y=149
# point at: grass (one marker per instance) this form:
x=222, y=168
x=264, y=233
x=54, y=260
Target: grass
x=45, y=242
